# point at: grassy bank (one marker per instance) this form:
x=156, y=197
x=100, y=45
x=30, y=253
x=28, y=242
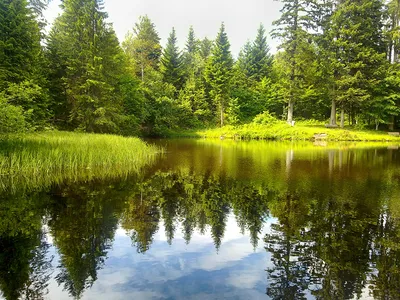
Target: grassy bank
x=283, y=131
x=41, y=158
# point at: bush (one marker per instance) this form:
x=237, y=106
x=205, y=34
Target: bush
x=12, y=119
x=265, y=118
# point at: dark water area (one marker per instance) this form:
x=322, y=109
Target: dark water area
x=212, y=220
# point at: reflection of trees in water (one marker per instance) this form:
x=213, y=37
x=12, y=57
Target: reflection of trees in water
x=289, y=277
x=25, y=266
x=83, y=220
x=326, y=239
x=337, y=231
x=193, y=201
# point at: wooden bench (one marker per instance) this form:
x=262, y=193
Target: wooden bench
x=394, y=133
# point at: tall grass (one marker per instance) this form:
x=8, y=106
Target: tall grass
x=283, y=131
x=43, y=158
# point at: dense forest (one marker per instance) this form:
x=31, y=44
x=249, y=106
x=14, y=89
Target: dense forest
x=338, y=61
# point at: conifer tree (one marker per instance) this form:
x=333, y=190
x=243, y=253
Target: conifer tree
x=292, y=28
x=219, y=71
x=191, y=49
x=171, y=62
x=261, y=60
x=361, y=55
x=92, y=65
x=143, y=46
x=19, y=42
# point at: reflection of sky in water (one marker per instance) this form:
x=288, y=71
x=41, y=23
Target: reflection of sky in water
x=181, y=271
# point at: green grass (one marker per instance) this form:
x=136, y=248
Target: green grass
x=44, y=158
x=282, y=131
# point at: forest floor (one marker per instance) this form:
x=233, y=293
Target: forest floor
x=282, y=131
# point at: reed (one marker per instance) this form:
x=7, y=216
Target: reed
x=44, y=158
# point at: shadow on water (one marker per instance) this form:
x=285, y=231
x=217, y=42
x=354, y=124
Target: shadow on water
x=318, y=223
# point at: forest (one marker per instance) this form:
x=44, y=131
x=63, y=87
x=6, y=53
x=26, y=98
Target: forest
x=337, y=63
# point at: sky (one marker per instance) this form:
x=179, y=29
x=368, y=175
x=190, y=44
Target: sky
x=241, y=18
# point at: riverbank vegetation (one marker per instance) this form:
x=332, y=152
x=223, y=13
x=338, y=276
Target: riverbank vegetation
x=336, y=58
x=301, y=132
x=42, y=158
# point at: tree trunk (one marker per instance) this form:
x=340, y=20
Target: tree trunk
x=333, y=113
x=376, y=125
x=290, y=112
x=222, y=114
x=391, y=123
x=342, y=118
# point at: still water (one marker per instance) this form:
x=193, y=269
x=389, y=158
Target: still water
x=212, y=220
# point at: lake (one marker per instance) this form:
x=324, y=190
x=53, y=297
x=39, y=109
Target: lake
x=212, y=220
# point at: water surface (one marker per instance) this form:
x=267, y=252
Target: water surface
x=212, y=220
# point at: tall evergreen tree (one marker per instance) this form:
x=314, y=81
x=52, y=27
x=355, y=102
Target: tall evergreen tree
x=92, y=65
x=19, y=42
x=143, y=45
x=219, y=71
x=191, y=49
x=261, y=60
x=292, y=28
x=171, y=62
x=361, y=56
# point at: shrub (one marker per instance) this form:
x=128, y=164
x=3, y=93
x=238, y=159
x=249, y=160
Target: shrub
x=265, y=118
x=12, y=119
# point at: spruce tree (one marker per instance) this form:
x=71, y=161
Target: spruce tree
x=143, y=46
x=191, y=49
x=361, y=55
x=219, y=72
x=261, y=60
x=19, y=42
x=91, y=65
x=171, y=62
x=244, y=61
x=292, y=28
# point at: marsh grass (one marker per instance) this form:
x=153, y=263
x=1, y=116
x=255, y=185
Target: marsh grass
x=40, y=159
x=300, y=132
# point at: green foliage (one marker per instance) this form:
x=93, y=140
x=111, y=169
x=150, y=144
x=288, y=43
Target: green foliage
x=12, y=118
x=219, y=71
x=32, y=99
x=334, y=56
x=93, y=64
x=143, y=46
x=171, y=62
x=42, y=159
x=19, y=42
x=265, y=118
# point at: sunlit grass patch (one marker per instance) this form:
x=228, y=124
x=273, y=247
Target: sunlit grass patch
x=283, y=131
x=56, y=156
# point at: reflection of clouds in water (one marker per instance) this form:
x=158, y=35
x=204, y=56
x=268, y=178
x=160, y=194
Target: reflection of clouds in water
x=180, y=271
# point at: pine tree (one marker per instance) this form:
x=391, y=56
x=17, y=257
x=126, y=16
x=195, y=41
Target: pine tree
x=191, y=49
x=171, y=62
x=19, y=42
x=21, y=73
x=292, y=29
x=261, y=60
x=244, y=61
x=361, y=55
x=206, y=46
x=219, y=71
x=143, y=46
x=92, y=65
